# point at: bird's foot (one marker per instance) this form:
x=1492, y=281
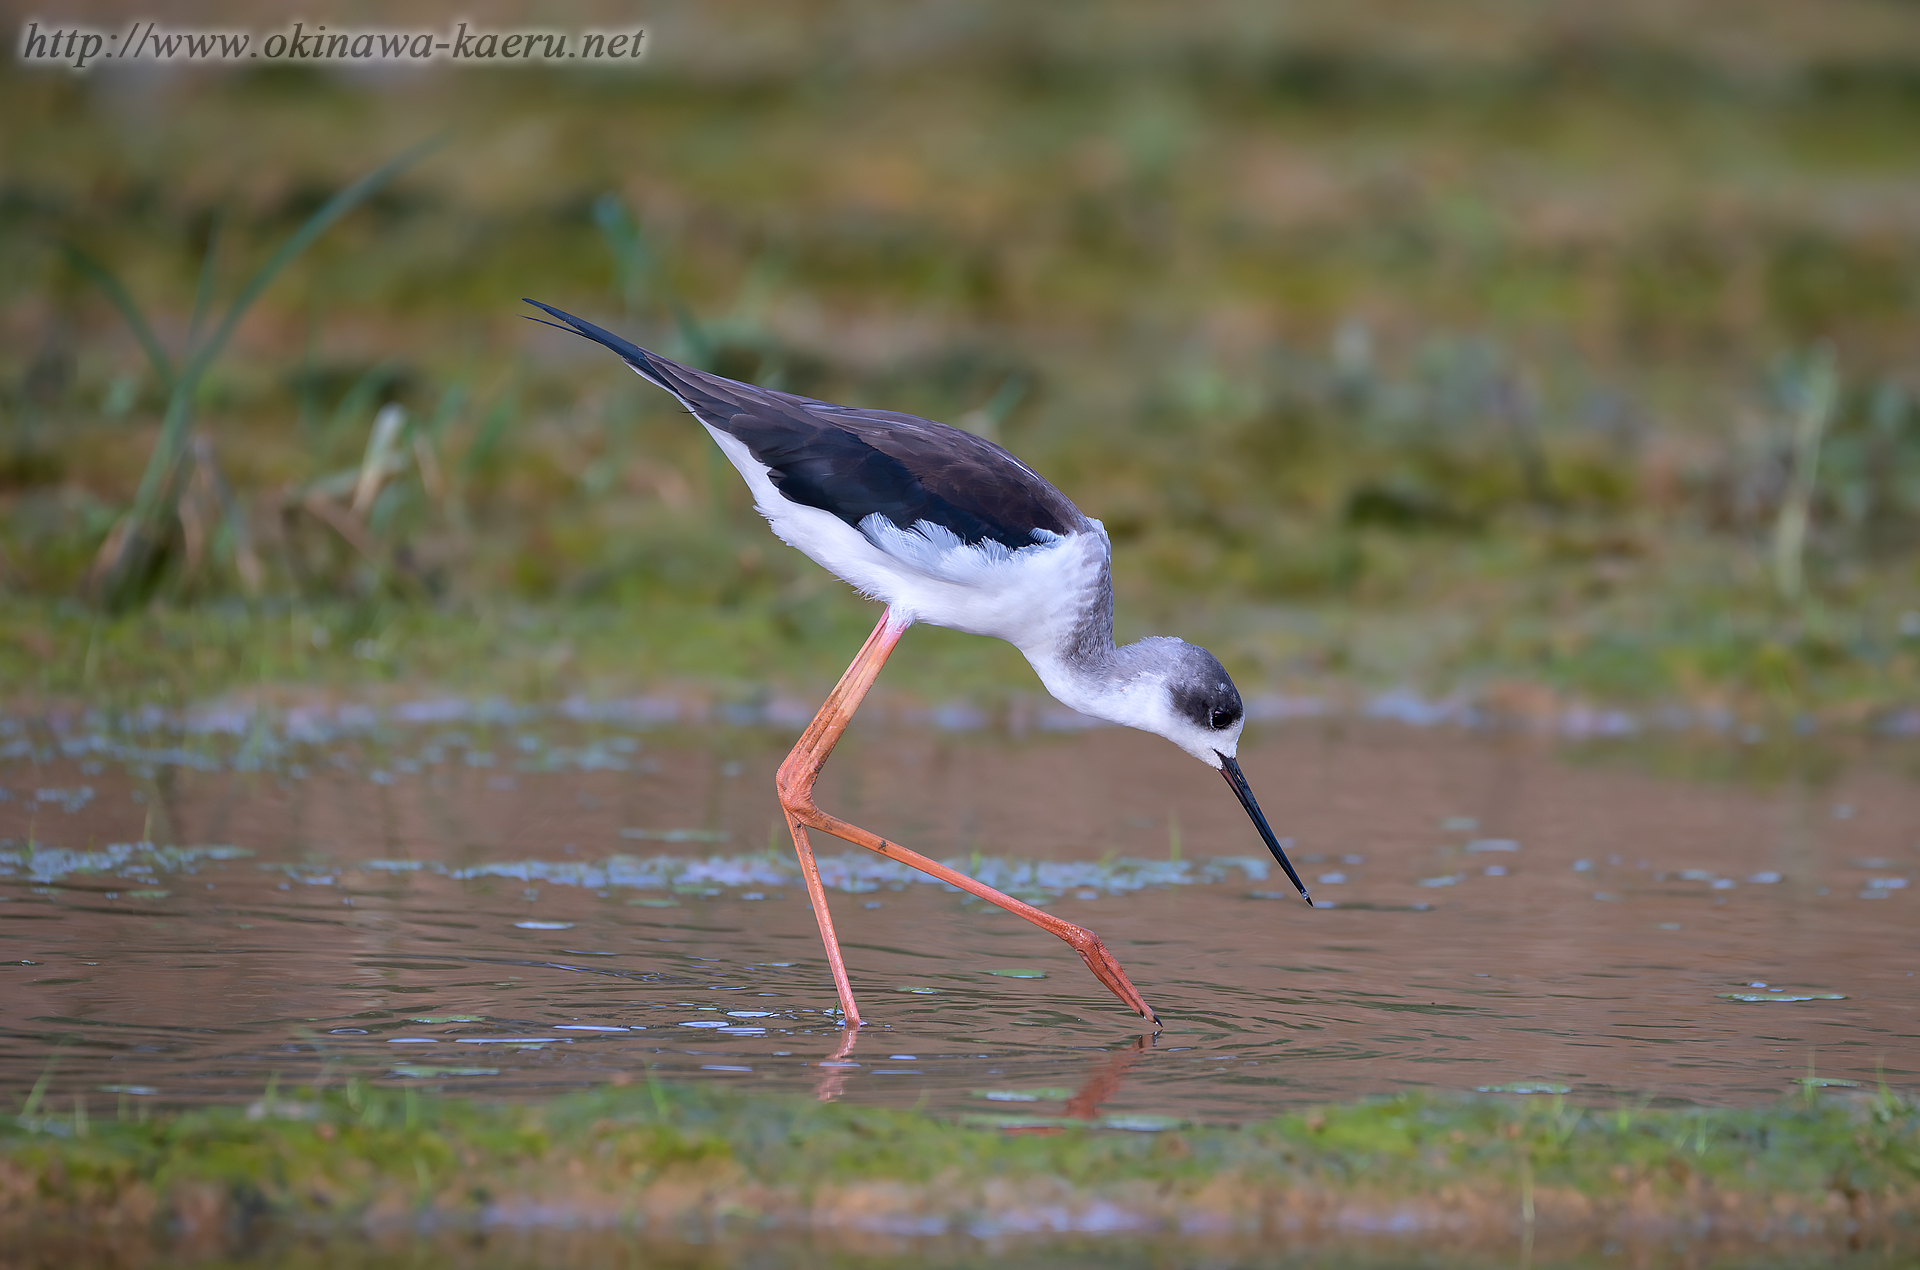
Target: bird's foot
x=1106, y=968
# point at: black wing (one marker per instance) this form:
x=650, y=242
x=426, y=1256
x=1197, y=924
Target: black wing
x=854, y=463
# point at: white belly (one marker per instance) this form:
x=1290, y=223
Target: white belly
x=1033, y=598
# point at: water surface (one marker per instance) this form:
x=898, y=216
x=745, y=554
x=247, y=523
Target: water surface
x=528, y=903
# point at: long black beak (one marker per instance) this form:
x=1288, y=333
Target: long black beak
x=1231, y=770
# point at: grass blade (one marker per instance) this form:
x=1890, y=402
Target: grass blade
x=381, y=459
x=638, y=269
x=1815, y=389
x=179, y=409
x=699, y=345
x=631, y=259
x=108, y=282
x=127, y=553
x=317, y=224
x=40, y=1086
x=209, y=268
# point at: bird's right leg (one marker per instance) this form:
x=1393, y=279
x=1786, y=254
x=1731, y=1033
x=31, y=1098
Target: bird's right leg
x=1104, y=965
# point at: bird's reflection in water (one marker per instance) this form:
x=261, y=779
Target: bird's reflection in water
x=1101, y=1084
x=1104, y=1081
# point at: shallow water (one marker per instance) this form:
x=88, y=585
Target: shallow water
x=523, y=904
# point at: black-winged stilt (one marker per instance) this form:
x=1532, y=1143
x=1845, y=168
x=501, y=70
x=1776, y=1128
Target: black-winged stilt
x=947, y=528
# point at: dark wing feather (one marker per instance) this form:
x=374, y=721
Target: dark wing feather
x=855, y=463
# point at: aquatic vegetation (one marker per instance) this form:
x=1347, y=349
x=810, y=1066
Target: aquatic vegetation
x=1836, y=1167
x=40, y=863
x=858, y=873
x=852, y=873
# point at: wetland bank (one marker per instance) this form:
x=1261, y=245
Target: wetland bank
x=1520, y=401
x=499, y=969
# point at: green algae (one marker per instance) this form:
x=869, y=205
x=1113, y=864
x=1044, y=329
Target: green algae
x=352, y=1158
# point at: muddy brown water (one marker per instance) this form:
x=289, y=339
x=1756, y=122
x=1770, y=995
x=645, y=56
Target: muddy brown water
x=527, y=905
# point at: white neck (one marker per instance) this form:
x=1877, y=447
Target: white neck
x=1116, y=685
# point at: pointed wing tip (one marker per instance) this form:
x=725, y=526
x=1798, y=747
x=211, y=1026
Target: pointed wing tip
x=632, y=354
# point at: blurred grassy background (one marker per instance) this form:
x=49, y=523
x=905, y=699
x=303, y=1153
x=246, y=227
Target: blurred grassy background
x=1453, y=345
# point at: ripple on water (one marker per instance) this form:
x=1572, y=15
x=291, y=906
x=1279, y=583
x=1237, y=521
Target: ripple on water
x=320, y=923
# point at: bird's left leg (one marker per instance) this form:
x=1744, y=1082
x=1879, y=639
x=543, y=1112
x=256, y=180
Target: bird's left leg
x=795, y=783
x=802, y=767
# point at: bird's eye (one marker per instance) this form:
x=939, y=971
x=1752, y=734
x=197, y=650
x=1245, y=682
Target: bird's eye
x=1220, y=718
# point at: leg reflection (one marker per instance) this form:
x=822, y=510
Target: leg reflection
x=1099, y=1087
x=836, y=1068
x=1104, y=1081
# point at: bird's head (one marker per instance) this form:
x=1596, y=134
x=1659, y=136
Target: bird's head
x=1190, y=699
x=1183, y=693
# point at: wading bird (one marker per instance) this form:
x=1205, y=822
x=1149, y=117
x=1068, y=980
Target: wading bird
x=947, y=528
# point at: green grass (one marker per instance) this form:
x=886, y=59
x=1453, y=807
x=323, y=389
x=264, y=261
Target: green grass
x=690, y=1159
x=1847, y=666
x=1468, y=353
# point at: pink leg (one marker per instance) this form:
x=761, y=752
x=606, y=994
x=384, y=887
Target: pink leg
x=795, y=783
